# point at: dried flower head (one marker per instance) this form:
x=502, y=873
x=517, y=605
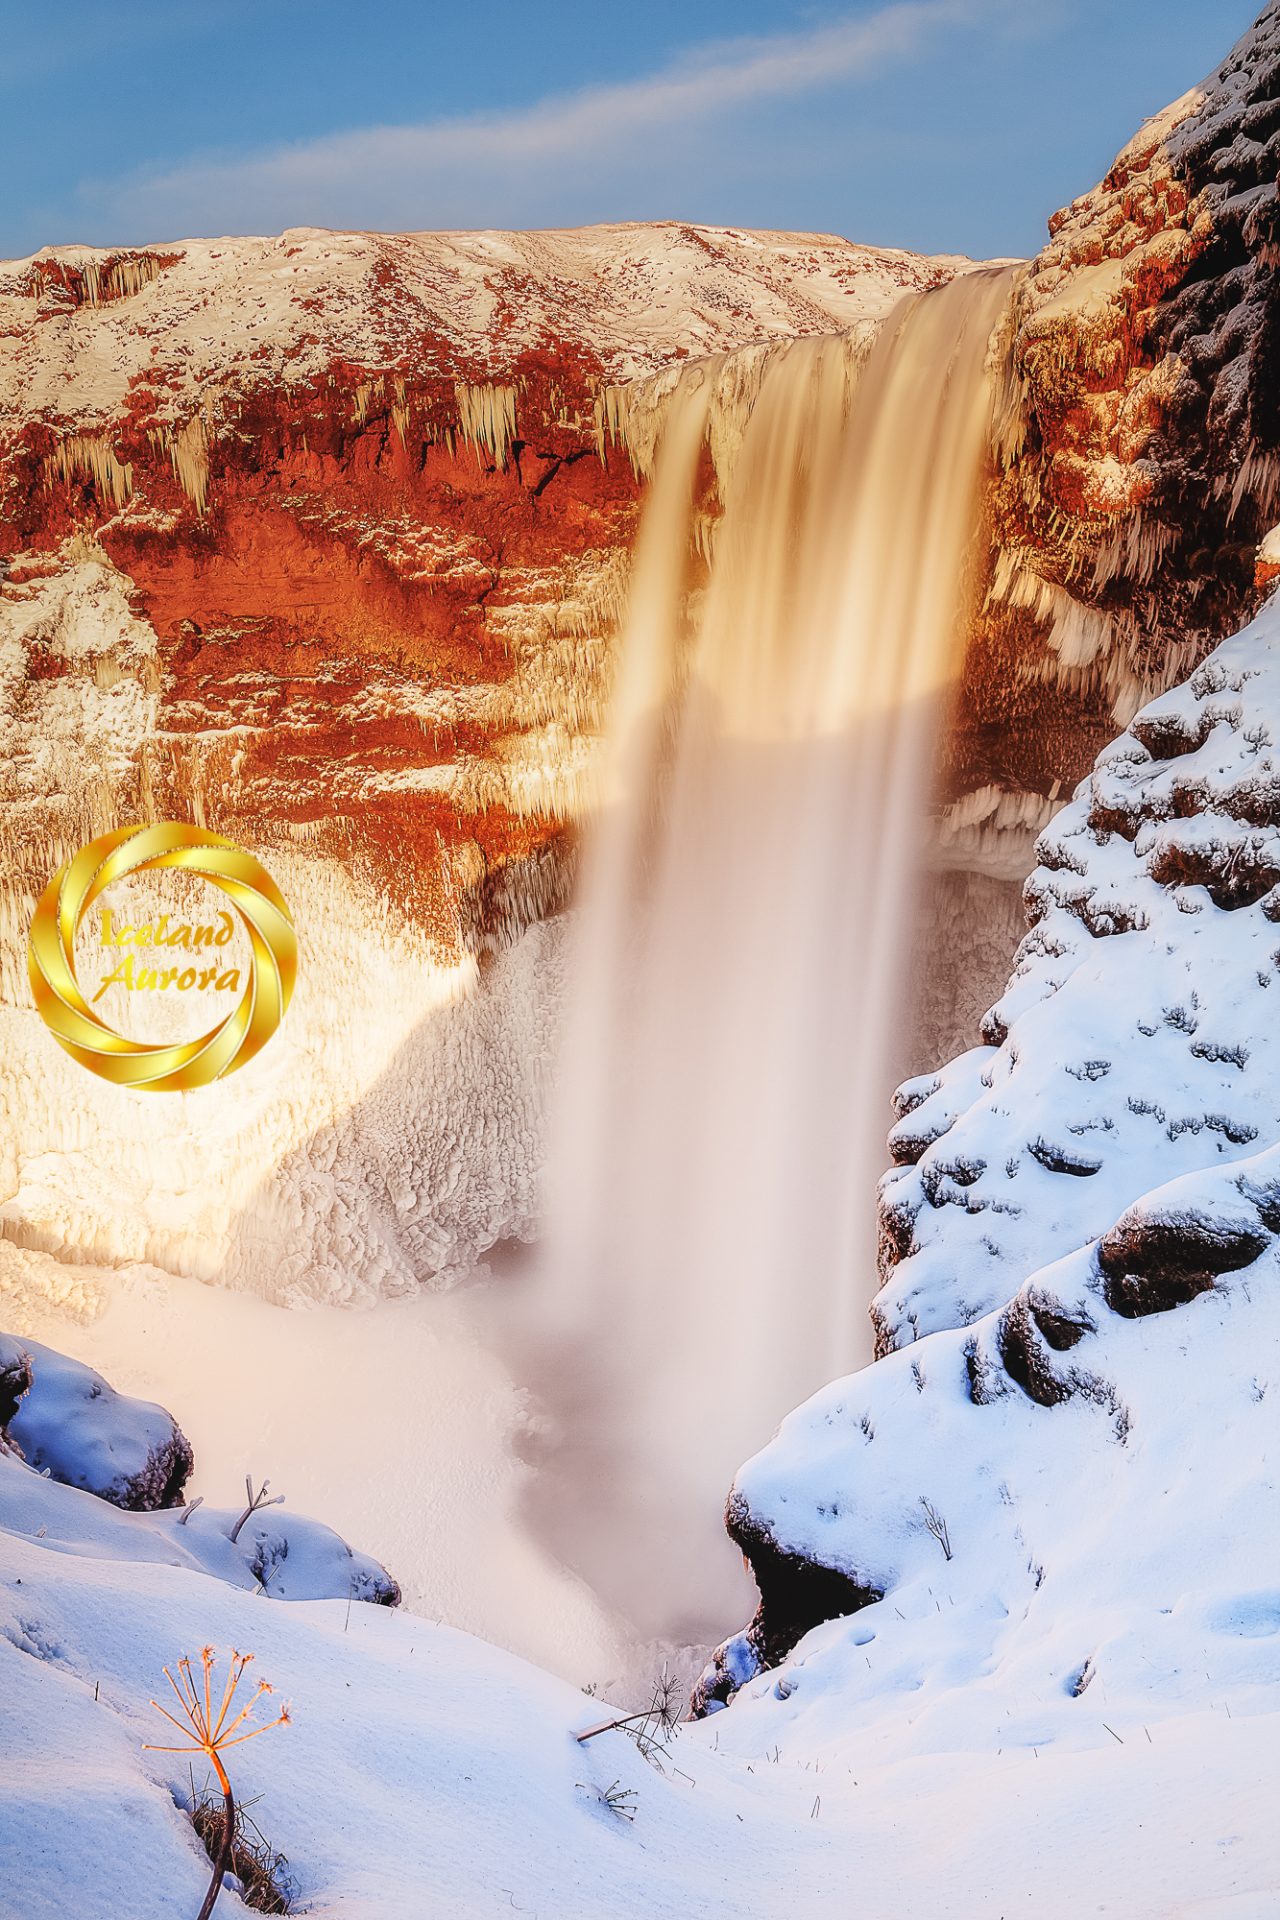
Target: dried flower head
x=207, y=1729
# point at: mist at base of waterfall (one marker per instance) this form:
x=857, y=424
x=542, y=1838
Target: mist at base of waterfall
x=392, y=1422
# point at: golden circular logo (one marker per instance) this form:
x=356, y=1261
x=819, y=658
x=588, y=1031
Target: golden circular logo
x=272, y=969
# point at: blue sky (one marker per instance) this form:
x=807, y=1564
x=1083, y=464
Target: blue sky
x=945, y=125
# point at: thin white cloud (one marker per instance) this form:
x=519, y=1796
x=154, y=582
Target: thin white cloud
x=415, y=175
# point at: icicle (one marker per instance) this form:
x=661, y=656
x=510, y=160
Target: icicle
x=92, y=279
x=1258, y=479
x=400, y=413
x=1133, y=550
x=188, y=451
x=487, y=418
x=90, y=456
x=990, y=830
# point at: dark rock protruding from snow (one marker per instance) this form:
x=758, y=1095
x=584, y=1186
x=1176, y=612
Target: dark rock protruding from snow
x=74, y=1426
x=1152, y=1262
x=795, y=1591
x=15, y=1378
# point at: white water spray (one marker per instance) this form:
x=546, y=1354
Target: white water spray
x=743, y=956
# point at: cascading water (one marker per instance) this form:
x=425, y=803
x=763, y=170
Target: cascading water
x=742, y=956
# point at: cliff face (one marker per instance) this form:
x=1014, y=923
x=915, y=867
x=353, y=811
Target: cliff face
x=320, y=541
x=355, y=500
x=1139, y=458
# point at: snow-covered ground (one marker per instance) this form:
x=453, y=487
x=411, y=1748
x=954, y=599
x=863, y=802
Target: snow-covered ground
x=426, y=1775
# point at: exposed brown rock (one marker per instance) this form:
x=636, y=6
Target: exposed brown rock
x=15, y=1379
x=1153, y=1265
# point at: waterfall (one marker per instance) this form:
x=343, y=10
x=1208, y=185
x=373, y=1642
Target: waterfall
x=742, y=958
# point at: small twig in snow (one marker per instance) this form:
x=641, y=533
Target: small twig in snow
x=256, y=1500
x=937, y=1526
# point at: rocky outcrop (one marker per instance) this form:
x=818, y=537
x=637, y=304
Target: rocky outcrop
x=796, y=1591
x=71, y=1424
x=15, y=1379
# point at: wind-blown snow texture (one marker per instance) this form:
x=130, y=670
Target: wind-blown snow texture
x=1060, y=1467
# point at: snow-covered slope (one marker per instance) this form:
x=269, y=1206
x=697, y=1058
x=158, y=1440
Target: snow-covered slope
x=1060, y=1472
x=1137, y=1039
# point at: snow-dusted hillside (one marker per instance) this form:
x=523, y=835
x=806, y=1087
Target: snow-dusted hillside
x=1053, y=1498
x=1137, y=1039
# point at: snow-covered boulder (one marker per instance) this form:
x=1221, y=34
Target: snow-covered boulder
x=288, y=1556
x=285, y=1556
x=72, y=1424
x=1069, y=1425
